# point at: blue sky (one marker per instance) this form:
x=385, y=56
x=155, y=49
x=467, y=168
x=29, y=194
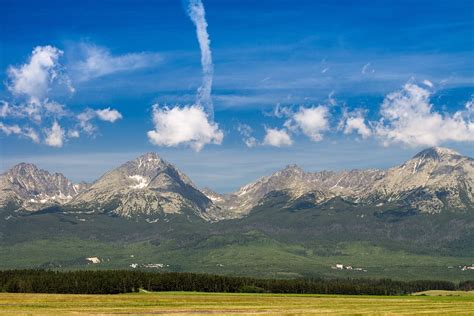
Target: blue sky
x=324, y=84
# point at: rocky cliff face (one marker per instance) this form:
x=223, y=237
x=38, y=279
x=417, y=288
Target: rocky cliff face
x=296, y=182
x=434, y=180
x=145, y=186
x=26, y=187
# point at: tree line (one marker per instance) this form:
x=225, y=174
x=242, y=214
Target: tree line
x=124, y=281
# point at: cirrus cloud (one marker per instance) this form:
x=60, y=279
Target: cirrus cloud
x=95, y=61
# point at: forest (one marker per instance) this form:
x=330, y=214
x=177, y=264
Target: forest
x=124, y=281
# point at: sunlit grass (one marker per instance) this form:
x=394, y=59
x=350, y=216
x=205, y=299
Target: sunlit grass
x=184, y=303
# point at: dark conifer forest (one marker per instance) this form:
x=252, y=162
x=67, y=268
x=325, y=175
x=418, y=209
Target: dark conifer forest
x=121, y=281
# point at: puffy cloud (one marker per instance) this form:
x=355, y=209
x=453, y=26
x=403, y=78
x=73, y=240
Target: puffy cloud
x=86, y=117
x=54, y=136
x=355, y=122
x=97, y=61
x=277, y=137
x=30, y=86
x=108, y=114
x=10, y=129
x=311, y=121
x=32, y=83
x=409, y=118
x=33, y=79
x=73, y=133
x=246, y=131
x=183, y=125
x=15, y=129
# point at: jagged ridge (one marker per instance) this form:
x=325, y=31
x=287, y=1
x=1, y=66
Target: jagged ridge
x=434, y=180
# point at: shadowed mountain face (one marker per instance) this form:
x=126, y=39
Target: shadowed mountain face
x=434, y=180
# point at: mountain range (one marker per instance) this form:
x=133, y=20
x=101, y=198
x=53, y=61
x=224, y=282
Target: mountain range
x=434, y=180
x=409, y=221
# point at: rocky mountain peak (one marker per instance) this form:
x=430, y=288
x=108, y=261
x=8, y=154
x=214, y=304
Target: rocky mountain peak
x=32, y=188
x=149, y=160
x=29, y=174
x=148, y=186
x=293, y=169
x=437, y=153
x=23, y=169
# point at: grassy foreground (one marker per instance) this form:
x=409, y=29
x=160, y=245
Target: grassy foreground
x=187, y=303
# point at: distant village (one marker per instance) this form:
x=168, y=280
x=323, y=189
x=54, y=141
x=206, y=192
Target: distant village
x=340, y=266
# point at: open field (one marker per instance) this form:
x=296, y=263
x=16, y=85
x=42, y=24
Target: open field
x=186, y=303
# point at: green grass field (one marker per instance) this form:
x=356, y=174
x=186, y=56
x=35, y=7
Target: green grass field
x=185, y=303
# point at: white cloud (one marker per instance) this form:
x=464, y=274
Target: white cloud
x=331, y=99
x=246, y=131
x=108, y=114
x=198, y=15
x=10, y=129
x=282, y=111
x=31, y=134
x=311, y=121
x=409, y=118
x=277, y=137
x=86, y=117
x=428, y=83
x=98, y=61
x=4, y=109
x=73, y=133
x=187, y=125
x=31, y=85
x=33, y=79
x=357, y=124
x=15, y=129
x=54, y=136
x=55, y=109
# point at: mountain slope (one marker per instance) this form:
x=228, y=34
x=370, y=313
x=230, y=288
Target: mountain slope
x=145, y=186
x=26, y=187
x=323, y=186
x=412, y=221
x=433, y=180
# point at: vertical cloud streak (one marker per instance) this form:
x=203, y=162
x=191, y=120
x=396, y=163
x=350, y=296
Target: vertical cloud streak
x=198, y=16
